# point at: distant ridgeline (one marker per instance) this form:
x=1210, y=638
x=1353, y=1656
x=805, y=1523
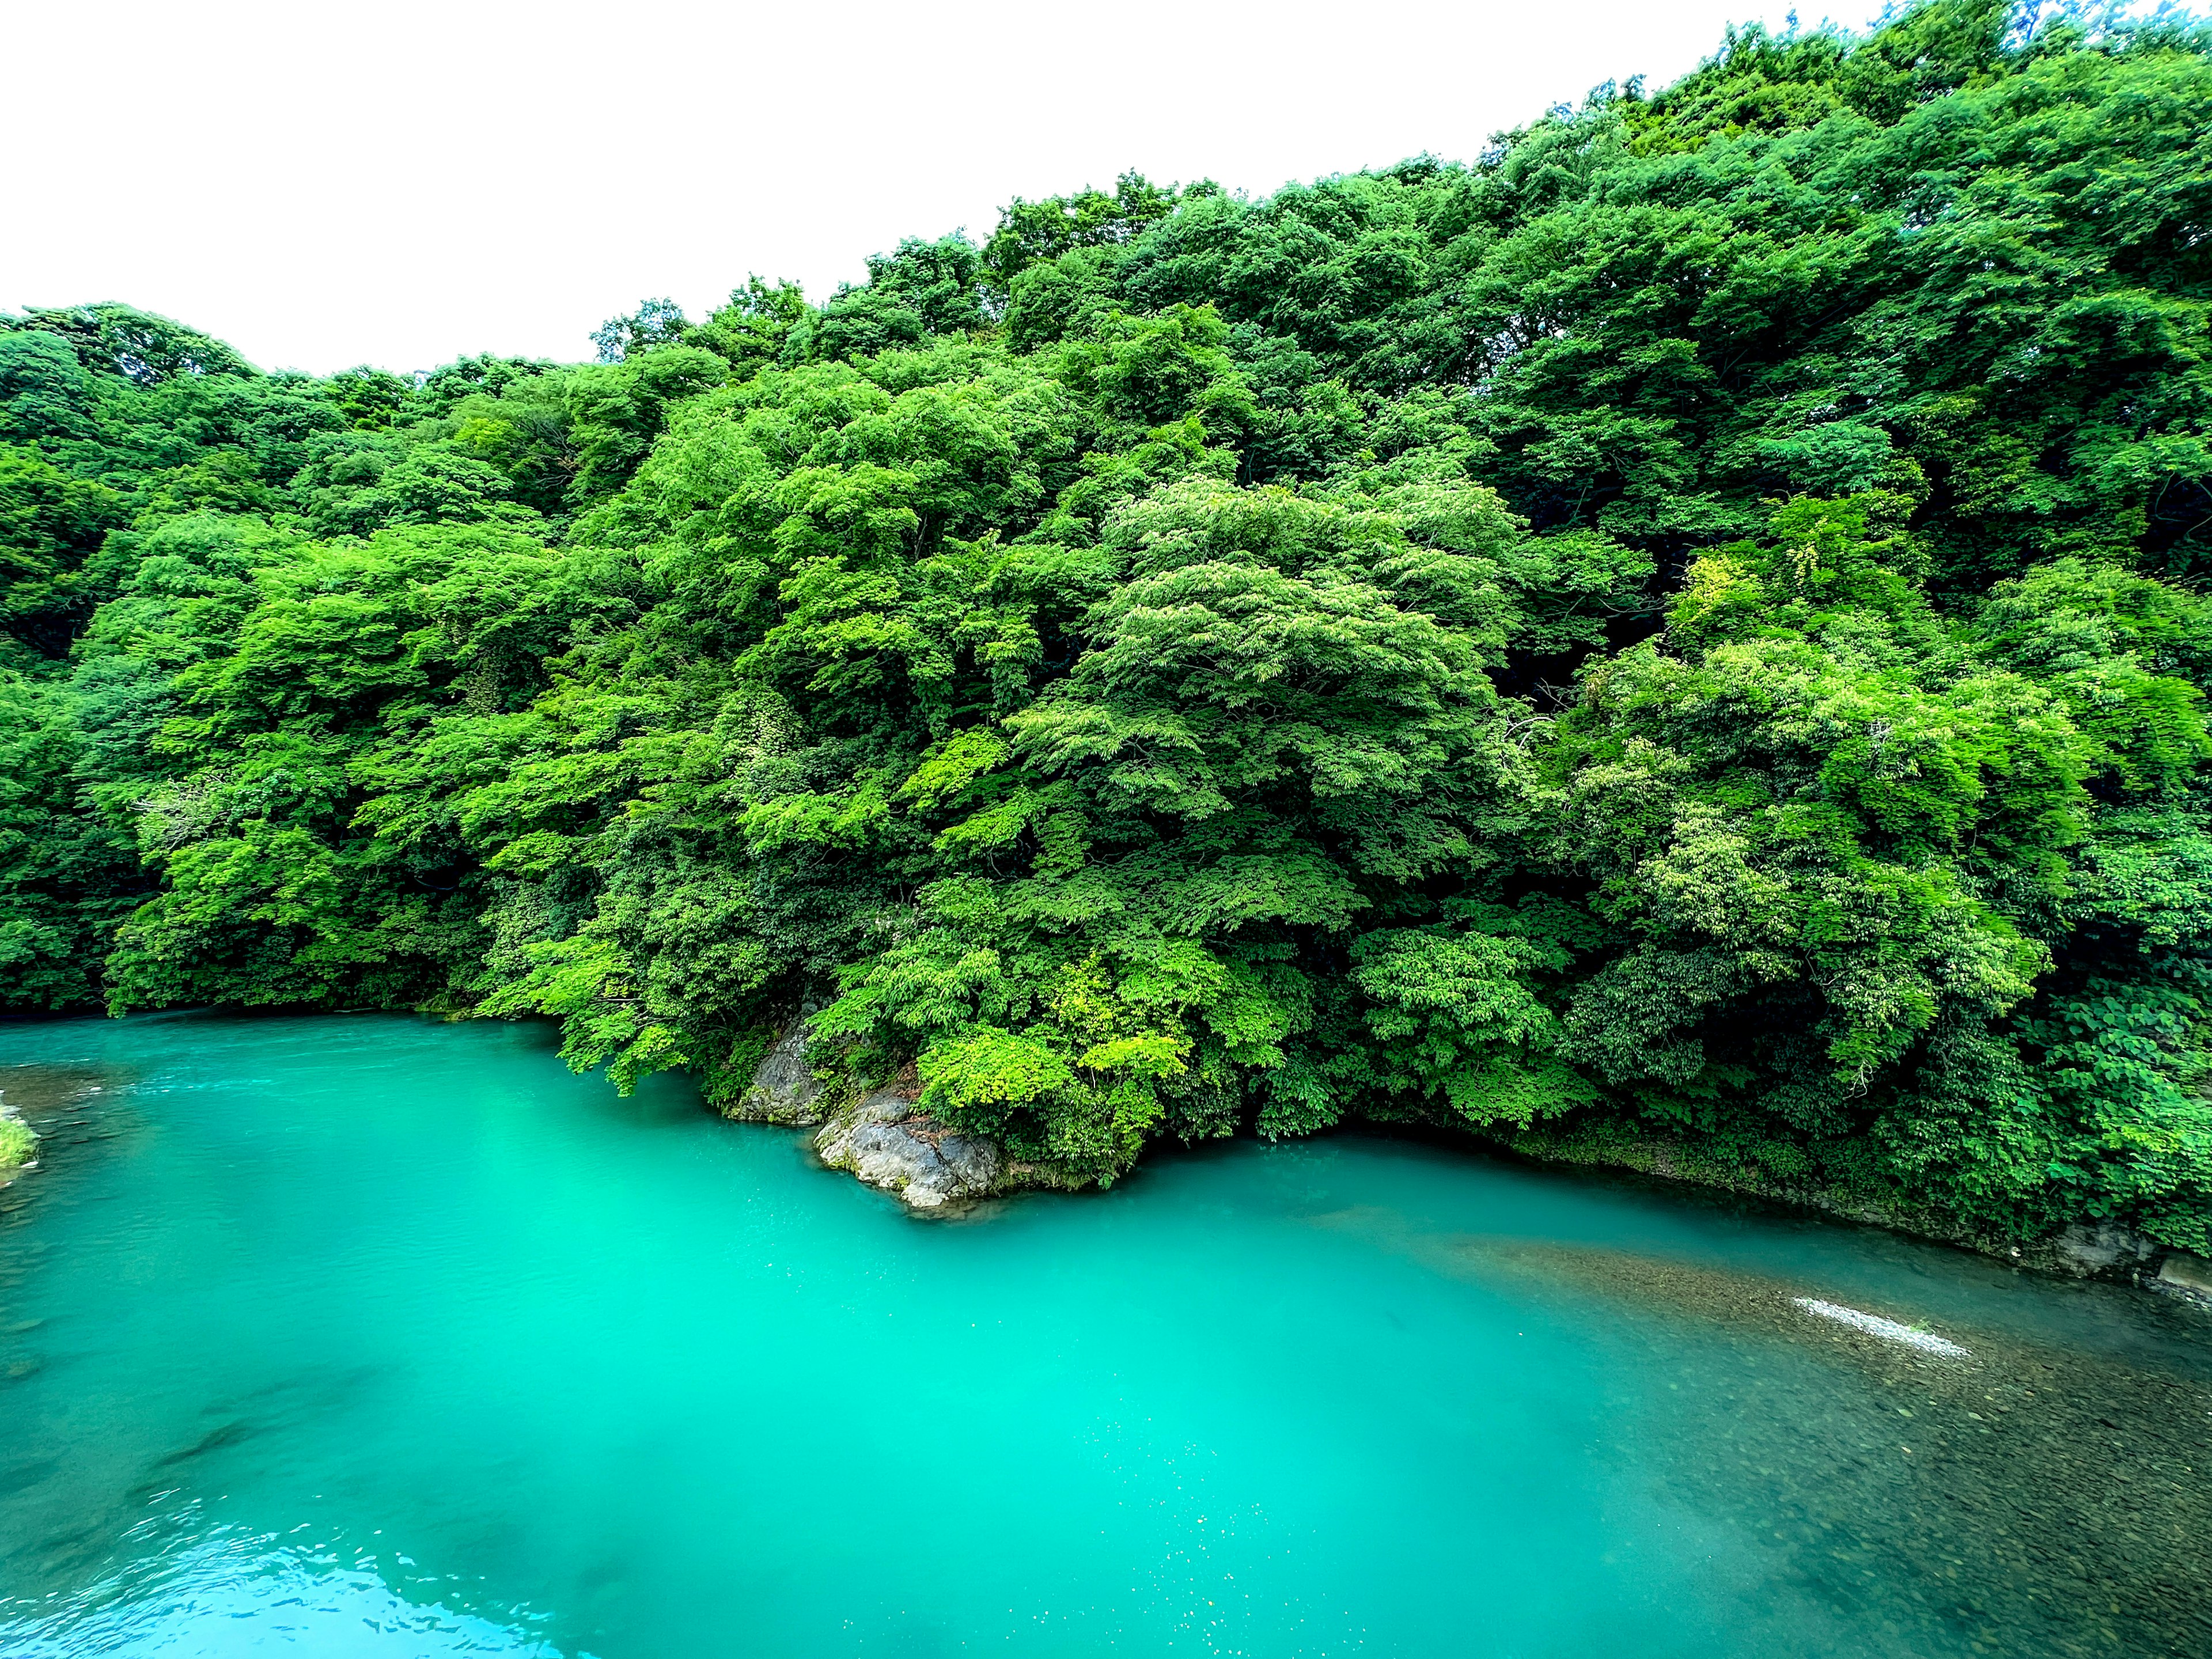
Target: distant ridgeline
x=1687, y=628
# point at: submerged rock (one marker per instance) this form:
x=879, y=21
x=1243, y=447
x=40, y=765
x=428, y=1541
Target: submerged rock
x=784, y=1089
x=1985, y=1474
x=887, y=1143
x=37, y=1094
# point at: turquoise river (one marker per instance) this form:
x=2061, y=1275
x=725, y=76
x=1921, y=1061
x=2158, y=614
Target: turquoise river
x=364, y=1336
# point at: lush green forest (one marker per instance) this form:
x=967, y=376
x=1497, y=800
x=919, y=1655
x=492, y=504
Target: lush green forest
x=1687, y=629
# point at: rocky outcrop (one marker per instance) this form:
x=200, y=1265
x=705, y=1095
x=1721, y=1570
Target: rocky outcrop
x=2102, y=1252
x=2185, y=1275
x=883, y=1138
x=887, y=1143
x=784, y=1089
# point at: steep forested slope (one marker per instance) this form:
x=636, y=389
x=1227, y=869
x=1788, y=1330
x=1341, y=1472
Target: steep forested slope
x=1686, y=626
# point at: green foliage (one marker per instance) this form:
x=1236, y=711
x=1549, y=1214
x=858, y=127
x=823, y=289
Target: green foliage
x=66, y=878
x=1685, y=627
x=1039, y=232
x=654, y=323
x=17, y=1144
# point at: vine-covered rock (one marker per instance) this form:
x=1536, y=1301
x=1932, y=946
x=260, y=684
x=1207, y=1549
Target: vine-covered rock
x=784, y=1089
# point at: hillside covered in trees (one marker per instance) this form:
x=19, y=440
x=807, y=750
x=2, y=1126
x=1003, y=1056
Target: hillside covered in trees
x=1687, y=627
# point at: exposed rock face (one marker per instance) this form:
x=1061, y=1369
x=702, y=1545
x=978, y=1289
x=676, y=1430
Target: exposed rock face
x=887, y=1143
x=783, y=1089
x=2101, y=1250
x=2190, y=1275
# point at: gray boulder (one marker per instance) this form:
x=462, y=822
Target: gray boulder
x=783, y=1089
x=2089, y=1251
x=887, y=1143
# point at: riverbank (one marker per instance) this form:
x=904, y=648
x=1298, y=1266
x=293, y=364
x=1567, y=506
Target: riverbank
x=2113, y=1253
x=884, y=1139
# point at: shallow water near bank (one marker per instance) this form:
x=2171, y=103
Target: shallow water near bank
x=364, y=1336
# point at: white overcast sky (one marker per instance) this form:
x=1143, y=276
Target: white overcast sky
x=398, y=182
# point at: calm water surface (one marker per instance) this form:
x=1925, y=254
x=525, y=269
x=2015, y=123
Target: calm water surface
x=361, y=1335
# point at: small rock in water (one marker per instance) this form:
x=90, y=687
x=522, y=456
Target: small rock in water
x=1875, y=1325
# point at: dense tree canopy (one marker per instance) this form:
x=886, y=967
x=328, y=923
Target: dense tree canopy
x=1688, y=626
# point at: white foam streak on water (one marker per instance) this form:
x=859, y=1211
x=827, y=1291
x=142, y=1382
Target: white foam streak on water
x=1888, y=1329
